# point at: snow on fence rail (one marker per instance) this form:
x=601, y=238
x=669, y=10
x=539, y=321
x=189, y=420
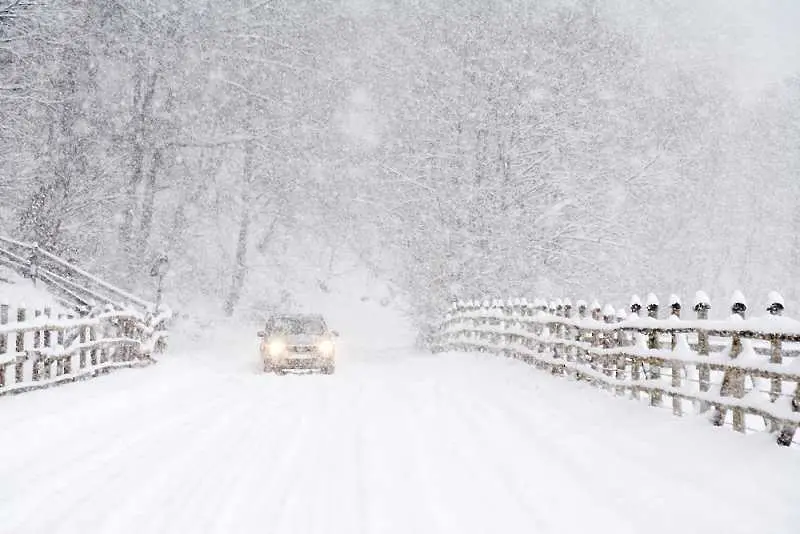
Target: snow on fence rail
x=38, y=350
x=643, y=354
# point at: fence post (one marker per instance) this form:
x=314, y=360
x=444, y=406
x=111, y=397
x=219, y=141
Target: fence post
x=567, y=334
x=622, y=361
x=677, y=367
x=608, y=360
x=516, y=314
x=19, y=368
x=3, y=341
x=786, y=432
x=498, y=322
x=580, y=353
x=48, y=313
x=556, y=309
x=540, y=346
x=63, y=362
x=701, y=306
x=93, y=351
x=48, y=344
x=453, y=333
x=36, y=361
x=654, y=344
x=83, y=350
x=485, y=337
x=561, y=332
x=636, y=309
x=125, y=332
x=462, y=338
x=597, y=337
x=775, y=309
x=103, y=330
x=733, y=379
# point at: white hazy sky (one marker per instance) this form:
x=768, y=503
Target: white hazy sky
x=756, y=41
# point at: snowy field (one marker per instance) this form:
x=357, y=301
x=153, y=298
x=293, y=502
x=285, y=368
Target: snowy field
x=397, y=441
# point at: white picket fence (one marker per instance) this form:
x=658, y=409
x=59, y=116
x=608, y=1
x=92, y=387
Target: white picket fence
x=39, y=350
x=736, y=368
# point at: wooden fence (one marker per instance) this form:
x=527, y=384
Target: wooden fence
x=38, y=350
x=738, y=370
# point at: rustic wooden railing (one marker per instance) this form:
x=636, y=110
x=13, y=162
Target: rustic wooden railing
x=737, y=369
x=71, y=285
x=38, y=350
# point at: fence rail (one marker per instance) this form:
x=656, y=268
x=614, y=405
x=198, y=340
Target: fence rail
x=73, y=286
x=38, y=350
x=741, y=373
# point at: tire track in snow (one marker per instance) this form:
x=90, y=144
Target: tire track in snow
x=620, y=461
x=92, y=468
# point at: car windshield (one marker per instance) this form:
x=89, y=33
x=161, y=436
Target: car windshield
x=296, y=325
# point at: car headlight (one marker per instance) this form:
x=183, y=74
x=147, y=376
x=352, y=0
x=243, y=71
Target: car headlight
x=277, y=347
x=326, y=347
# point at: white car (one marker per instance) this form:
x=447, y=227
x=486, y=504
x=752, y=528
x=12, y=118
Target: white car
x=297, y=341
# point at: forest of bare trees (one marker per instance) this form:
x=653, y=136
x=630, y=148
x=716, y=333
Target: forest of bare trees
x=454, y=148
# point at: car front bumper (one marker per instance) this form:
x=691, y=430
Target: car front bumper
x=293, y=360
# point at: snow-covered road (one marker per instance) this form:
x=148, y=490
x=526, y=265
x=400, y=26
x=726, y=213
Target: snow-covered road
x=396, y=441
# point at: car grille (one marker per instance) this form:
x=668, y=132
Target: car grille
x=302, y=348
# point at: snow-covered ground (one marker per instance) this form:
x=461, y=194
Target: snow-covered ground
x=18, y=292
x=396, y=441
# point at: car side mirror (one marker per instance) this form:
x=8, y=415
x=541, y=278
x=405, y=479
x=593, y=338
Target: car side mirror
x=261, y=333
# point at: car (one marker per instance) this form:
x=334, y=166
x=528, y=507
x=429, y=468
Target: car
x=297, y=341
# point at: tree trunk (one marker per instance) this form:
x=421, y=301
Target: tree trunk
x=240, y=265
x=148, y=206
x=143, y=98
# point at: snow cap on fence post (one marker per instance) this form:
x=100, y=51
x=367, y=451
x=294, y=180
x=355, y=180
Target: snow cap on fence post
x=738, y=304
x=596, y=309
x=608, y=313
x=776, y=304
x=636, y=305
x=701, y=302
x=621, y=315
x=675, y=305
x=567, y=307
x=652, y=305
x=581, y=304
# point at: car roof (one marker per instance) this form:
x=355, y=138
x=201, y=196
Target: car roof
x=296, y=316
